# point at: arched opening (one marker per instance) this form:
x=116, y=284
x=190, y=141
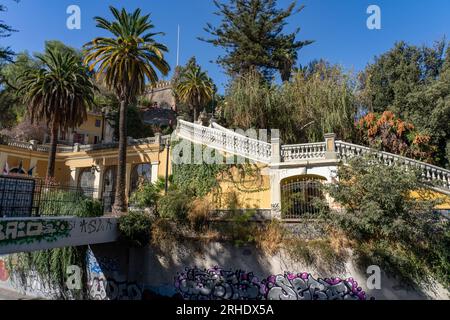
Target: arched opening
x=141, y=173
x=109, y=188
x=298, y=196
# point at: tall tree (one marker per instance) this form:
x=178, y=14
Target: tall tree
x=125, y=62
x=58, y=93
x=6, y=54
x=412, y=82
x=194, y=88
x=315, y=102
x=251, y=32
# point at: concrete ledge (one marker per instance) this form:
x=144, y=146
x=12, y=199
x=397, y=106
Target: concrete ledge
x=34, y=234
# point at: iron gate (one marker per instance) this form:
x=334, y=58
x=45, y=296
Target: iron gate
x=17, y=197
x=298, y=196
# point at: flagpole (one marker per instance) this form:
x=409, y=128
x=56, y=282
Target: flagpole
x=178, y=46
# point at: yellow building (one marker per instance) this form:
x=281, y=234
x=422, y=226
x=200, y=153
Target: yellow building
x=281, y=171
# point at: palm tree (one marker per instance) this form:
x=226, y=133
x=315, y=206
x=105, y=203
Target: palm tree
x=126, y=61
x=59, y=93
x=195, y=88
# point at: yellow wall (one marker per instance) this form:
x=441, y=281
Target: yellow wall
x=251, y=190
x=443, y=199
x=88, y=127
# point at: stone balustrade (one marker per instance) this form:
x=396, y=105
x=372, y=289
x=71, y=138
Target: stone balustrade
x=308, y=151
x=32, y=145
x=227, y=141
x=430, y=172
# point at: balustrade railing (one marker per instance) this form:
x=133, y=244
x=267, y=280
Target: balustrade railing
x=430, y=173
x=309, y=151
x=227, y=141
x=77, y=147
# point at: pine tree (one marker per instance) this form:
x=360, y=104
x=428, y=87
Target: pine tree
x=251, y=32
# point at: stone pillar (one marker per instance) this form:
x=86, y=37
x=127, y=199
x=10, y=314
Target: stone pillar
x=158, y=138
x=74, y=174
x=212, y=120
x=128, y=179
x=155, y=167
x=34, y=145
x=276, y=147
x=33, y=165
x=275, y=194
x=330, y=143
x=98, y=182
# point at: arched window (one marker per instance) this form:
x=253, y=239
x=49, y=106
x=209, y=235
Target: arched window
x=298, y=196
x=141, y=173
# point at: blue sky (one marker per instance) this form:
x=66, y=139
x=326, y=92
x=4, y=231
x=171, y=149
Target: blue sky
x=337, y=26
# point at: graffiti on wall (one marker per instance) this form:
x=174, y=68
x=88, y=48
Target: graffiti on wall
x=4, y=273
x=101, y=288
x=219, y=284
x=104, y=280
x=95, y=226
x=27, y=232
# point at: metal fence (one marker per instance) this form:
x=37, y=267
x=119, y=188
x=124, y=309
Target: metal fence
x=299, y=196
x=17, y=197
x=27, y=197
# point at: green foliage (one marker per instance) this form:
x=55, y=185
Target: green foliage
x=147, y=195
x=175, y=205
x=391, y=227
x=414, y=83
x=242, y=228
x=198, y=179
x=194, y=88
x=135, y=229
x=315, y=102
x=131, y=43
x=252, y=33
x=136, y=127
x=66, y=203
x=6, y=54
x=51, y=266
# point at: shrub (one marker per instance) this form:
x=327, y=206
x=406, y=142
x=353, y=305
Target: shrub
x=389, y=226
x=146, y=196
x=164, y=234
x=65, y=203
x=175, y=205
x=269, y=238
x=199, y=213
x=135, y=229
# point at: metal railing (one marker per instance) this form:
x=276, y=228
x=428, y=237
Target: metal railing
x=27, y=197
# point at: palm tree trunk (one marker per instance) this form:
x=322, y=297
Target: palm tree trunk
x=52, y=154
x=120, y=203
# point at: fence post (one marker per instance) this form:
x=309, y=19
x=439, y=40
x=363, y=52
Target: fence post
x=330, y=146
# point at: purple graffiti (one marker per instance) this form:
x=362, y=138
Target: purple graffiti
x=219, y=284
